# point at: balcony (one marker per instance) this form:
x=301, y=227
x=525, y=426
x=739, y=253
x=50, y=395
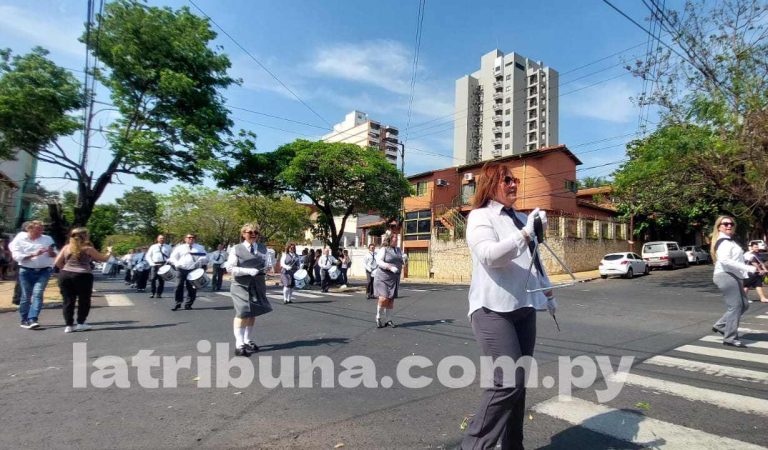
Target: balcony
x=498, y=95
x=496, y=130
x=498, y=84
x=497, y=118
x=498, y=106
x=496, y=141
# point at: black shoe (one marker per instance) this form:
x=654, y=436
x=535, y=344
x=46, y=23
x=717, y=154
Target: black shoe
x=187, y=307
x=152, y=296
x=735, y=344
x=390, y=324
x=718, y=330
x=159, y=296
x=243, y=351
x=176, y=307
x=379, y=324
x=252, y=347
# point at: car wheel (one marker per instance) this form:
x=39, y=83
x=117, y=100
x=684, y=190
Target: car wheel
x=603, y=276
x=647, y=270
x=630, y=273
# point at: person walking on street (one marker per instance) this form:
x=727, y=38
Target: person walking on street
x=127, y=261
x=218, y=258
x=35, y=253
x=345, y=264
x=369, y=261
x=5, y=259
x=316, y=267
x=755, y=281
x=141, y=270
x=76, y=278
x=289, y=264
x=502, y=312
x=325, y=263
x=185, y=258
x=389, y=263
x=248, y=263
x=730, y=270
x=157, y=255
x=309, y=265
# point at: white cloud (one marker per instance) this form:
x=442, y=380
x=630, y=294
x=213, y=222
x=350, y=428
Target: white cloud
x=382, y=63
x=610, y=102
x=58, y=34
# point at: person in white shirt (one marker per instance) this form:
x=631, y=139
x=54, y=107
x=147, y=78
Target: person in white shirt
x=141, y=269
x=369, y=261
x=35, y=253
x=157, y=255
x=248, y=264
x=501, y=310
x=218, y=258
x=755, y=281
x=127, y=261
x=730, y=270
x=325, y=263
x=289, y=264
x=185, y=258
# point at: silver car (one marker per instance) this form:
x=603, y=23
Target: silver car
x=696, y=255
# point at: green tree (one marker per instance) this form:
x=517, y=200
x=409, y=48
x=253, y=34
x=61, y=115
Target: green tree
x=592, y=182
x=36, y=101
x=715, y=81
x=213, y=215
x=123, y=243
x=102, y=223
x=339, y=179
x=138, y=213
x=281, y=220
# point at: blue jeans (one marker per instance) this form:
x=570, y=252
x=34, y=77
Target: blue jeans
x=33, y=283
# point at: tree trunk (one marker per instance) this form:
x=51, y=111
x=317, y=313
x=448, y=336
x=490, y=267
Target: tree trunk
x=59, y=226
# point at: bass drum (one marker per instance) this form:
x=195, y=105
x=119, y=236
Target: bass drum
x=300, y=278
x=198, y=278
x=334, y=272
x=166, y=273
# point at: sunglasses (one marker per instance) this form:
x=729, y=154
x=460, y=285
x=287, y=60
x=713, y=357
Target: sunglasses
x=509, y=180
x=727, y=224
x=190, y=237
x=251, y=232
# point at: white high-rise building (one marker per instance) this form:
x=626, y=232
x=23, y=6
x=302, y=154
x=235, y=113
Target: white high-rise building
x=508, y=107
x=358, y=129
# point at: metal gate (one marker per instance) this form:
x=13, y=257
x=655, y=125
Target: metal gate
x=418, y=263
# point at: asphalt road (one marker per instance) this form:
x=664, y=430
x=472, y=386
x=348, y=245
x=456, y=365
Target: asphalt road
x=684, y=390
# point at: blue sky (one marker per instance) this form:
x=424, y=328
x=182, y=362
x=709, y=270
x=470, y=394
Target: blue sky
x=343, y=55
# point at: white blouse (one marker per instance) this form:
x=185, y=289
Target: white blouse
x=730, y=258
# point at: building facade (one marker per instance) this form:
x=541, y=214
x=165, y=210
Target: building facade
x=508, y=107
x=17, y=185
x=358, y=129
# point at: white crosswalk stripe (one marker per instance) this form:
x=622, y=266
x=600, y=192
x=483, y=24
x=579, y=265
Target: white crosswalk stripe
x=762, y=317
x=720, y=353
x=717, y=370
x=635, y=428
x=748, y=342
x=118, y=300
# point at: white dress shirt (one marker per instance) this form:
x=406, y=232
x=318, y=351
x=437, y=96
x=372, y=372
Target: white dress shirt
x=730, y=258
x=188, y=257
x=370, y=262
x=235, y=270
x=326, y=262
x=500, y=261
x=219, y=257
x=158, y=253
x=22, y=248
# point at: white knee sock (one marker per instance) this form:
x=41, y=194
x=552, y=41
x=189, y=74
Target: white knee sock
x=248, y=334
x=239, y=336
x=290, y=294
x=286, y=293
x=379, y=309
x=387, y=312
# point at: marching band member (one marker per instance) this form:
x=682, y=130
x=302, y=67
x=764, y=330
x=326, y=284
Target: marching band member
x=218, y=258
x=185, y=258
x=248, y=263
x=289, y=263
x=127, y=262
x=501, y=310
x=370, y=267
x=141, y=269
x=390, y=263
x=157, y=255
x=324, y=263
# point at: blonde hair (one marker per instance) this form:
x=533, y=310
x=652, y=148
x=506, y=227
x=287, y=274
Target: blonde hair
x=250, y=226
x=78, y=238
x=715, y=234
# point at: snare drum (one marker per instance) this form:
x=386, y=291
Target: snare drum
x=334, y=272
x=198, y=278
x=166, y=272
x=300, y=278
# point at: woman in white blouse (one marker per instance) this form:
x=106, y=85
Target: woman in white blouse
x=730, y=271
x=501, y=310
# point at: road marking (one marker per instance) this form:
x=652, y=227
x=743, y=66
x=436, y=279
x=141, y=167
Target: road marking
x=277, y=296
x=635, y=428
x=416, y=290
x=735, y=402
x=761, y=317
x=225, y=294
x=118, y=300
x=302, y=294
x=720, y=353
x=751, y=344
x=750, y=330
x=336, y=294
x=717, y=370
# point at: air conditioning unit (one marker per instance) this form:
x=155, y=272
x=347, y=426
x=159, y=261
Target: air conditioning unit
x=441, y=182
x=469, y=176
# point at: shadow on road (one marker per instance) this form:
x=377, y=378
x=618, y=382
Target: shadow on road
x=137, y=327
x=590, y=434
x=424, y=323
x=303, y=343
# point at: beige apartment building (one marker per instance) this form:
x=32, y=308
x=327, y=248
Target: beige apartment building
x=358, y=129
x=508, y=107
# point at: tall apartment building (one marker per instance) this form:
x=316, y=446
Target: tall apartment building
x=358, y=129
x=508, y=107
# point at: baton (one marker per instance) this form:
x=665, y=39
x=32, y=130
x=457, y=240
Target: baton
x=538, y=239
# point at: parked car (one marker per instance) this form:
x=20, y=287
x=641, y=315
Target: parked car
x=696, y=255
x=664, y=254
x=625, y=264
x=760, y=245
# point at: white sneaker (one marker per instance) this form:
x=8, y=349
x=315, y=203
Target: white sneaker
x=83, y=327
x=68, y=329
x=343, y=286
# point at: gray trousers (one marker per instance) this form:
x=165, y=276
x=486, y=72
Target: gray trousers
x=736, y=304
x=502, y=409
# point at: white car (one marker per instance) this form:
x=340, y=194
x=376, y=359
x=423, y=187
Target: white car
x=625, y=264
x=696, y=255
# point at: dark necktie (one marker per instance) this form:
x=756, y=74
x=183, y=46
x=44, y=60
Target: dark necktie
x=253, y=249
x=531, y=246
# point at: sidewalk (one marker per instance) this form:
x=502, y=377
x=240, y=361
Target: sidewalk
x=52, y=295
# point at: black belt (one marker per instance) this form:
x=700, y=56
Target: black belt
x=33, y=268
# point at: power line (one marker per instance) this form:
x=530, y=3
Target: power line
x=417, y=47
x=259, y=63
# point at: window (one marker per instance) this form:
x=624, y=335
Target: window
x=571, y=228
x=604, y=227
x=418, y=225
x=509, y=76
x=421, y=188
x=506, y=124
x=508, y=100
x=570, y=185
x=519, y=66
x=506, y=112
x=506, y=135
x=506, y=147
x=467, y=191
x=508, y=88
